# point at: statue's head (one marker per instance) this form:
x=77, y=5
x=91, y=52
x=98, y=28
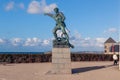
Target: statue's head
x=56, y=9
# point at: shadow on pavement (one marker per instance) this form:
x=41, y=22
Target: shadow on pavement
x=85, y=69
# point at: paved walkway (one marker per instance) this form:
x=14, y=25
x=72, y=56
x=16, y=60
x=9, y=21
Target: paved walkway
x=80, y=71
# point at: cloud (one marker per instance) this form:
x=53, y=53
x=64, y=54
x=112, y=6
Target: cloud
x=37, y=44
x=36, y=7
x=100, y=42
x=16, y=41
x=28, y=44
x=32, y=42
x=87, y=43
x=9, y=6
x=12, y=5
x=111, y=30
x=81, y=42
x=46, y=42
x=1, y=41
x=21, y=6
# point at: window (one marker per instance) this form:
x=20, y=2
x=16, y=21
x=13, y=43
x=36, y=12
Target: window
x=105, y=47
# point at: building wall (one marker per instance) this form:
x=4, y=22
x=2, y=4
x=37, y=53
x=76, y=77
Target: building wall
x=107, y=48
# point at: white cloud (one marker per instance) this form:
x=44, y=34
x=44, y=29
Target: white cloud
x=26, y=42
x=81, y=42
x=76, y=36
x=36, y=7
x=32, y=42
x=12, y=5
x=36, y=42
x=1, y=41
x=16, y=41
x=9, y=6
x=46, y=42
x=77, y=40
x=87, y=38
x=49, y=8
x=100, y=42
x=21, y=6
x=111, y=30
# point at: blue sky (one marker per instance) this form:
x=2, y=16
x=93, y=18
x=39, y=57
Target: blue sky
x=24, y=27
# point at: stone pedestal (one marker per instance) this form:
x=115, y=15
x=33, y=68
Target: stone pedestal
x=61, y=59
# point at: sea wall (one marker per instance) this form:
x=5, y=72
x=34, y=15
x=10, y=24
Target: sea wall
x=37, y=58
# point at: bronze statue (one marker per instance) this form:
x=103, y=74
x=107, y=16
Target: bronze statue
x=60, y=25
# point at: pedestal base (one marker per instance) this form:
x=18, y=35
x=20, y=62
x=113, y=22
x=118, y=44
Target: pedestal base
x=61, y=61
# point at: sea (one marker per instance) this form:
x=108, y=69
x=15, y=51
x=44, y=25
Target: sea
x=79, y=52
x=21, y=52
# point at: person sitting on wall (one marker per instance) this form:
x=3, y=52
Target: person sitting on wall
x=115, y=58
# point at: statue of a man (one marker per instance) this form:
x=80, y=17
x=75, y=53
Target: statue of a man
x=60, y=25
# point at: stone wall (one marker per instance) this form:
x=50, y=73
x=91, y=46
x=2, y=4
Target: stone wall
x=32, y=58
x=25, y=58
x=91, y=57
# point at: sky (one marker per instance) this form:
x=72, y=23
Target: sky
x=25, y=28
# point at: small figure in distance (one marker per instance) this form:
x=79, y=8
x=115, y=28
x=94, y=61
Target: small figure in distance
x=115, y=58
x=60, y=25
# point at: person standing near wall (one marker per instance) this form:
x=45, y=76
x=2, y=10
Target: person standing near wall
x=115, y=58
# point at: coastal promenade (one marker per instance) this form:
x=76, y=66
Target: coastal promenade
x=92, y=70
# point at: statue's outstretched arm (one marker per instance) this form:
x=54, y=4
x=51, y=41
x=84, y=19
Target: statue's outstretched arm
x=51, y=15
